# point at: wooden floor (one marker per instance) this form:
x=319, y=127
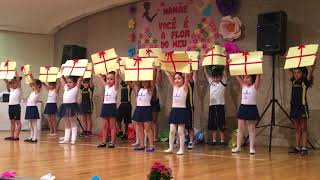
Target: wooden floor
x=84, y=160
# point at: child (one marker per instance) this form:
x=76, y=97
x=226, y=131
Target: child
x=155, y=105
x=124, y=109
x=14, y=86
x=109, y=108
x=51, y=108
x=32, y=112
x=190, y=108
x=248, y=112
x=216, y=121
x=301, y=79
x=69, y=108
x=143, y=114
x=86, y=106
x=179, y=114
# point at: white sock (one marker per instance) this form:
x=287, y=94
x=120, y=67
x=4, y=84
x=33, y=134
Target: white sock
x=35, y=129
x=181, y=137
x=31, y=129
x=74, y=131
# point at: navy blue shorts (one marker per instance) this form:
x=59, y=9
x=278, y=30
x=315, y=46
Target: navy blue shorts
x=155, y=105
x=248, y=112
x=14, y=112
x=124, y=113
x=68, y=110
x=32, y=113
x=179, y=116
x=142, y=114
x=299, y=112
x=51, y=108
x=216, y=118
x=109, y=111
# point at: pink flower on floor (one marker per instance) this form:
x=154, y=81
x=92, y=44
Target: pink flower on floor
x=230, y=28
x=8, y=174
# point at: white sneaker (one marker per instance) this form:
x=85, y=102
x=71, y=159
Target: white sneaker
x=73, y=142
x=180, y=152
x=252, y=151
x=190, y=145
x=236, y=150
x=169, y=151
x=134, y=144
x=61, y=139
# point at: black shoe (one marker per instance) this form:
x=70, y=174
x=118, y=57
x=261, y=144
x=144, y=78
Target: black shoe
x=8, y=138
x=304, y=152
x=124, y=137
x=223, y=144
x=120, y=133
x=15, y=139
x=213, y=143
x=28, y=140
x=102, y=145
x=83, y=134
x=294, y=151
x=111, y=145
x=33, y=141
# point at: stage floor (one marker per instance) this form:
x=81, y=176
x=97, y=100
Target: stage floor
x=84, y=160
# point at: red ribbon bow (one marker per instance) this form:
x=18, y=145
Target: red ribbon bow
x=245, y=54
x=169, y=56
x=6, y=64
x=300, y=57
x=149, y=51
x=47, y=73
x=137, y=61
x=213, y=54
x=102, y=55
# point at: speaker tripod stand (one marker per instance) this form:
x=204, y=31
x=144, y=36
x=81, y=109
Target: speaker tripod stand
x=77, y=120
x=273, y=102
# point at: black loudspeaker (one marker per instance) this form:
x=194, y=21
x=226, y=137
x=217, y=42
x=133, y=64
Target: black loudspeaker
x=272, y=33
x=73, y=52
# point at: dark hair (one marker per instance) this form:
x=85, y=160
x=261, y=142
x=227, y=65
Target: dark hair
x=179, y=73
x=52, y=83
x=305, y=73
x=112, y=72
x=216, y=70
x=86, y=80
x=253, y=77
x=73, y=78
x=38, y=83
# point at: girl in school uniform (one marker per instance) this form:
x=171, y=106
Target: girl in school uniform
x=124, y=109
x=51, y=109
x=248, y=112
x=109, y=111
x=179, y=114
x=69, y=108
x=216, y=121
x=86, y=106
x=32, y=112
x=190, y=108
x=155, y=105
x=14, y=110
x=302, y=79
x=143, y=114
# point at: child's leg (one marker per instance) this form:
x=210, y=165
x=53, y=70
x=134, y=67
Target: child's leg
x=172, y=135
x=252, y=133
x=67, y=131
x=35, y=129
x=31, y=129
x=155, y=125
x=84, y=121
x=89, y=122
x=17, y=128
x=214, y=136
x=191, y=135
x=12, y=127
x=181, y=138
x=141, y=134
x=304, y=132
x=297, y=125
x=221, y=135
x=104, y=131
x=241, y=125
x=137, y=134
x=149, y=132
x=74, y=130
x=113, y=129
x=50, y=123
x=54, y=124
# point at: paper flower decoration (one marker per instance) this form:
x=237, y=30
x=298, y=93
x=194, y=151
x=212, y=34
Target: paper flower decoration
x=230, y=28
x=132, y=23
x=8, y=174
x=131, y=51
x=207, y=11
x=131, y=37
x=231, y=48
x=132, y=9
x=227, y=7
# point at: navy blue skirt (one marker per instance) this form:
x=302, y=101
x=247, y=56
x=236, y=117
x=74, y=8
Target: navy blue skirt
x=32, y=113
x=68, y=110
x=51, y=108
x=142, y=114
x=180, y=116
x=86, y=107
x=109, y=111
x=248, y=112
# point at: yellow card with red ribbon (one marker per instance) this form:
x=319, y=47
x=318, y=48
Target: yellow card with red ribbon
x=150, y=54
x=138, y=69
x=59, y=75
x=216, y=56
x=48, y=74
x=27, y=73
x=122, y=64
x=246, y=63
x=175, y=62
x=88, y=72
x=301, y=56
x=193, y=57
x=105, y=61
x=8, y=70
x=76, y=67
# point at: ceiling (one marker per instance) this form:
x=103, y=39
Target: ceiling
x=48, y=16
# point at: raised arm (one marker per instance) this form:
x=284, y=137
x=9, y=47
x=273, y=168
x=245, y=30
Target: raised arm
x=159, y=76
x=290, y=74
x=7, y=84
x=58, y=85
x=195, y=76
x=240, y=80
x=102, y=81
x=63, y=81
x=205, y=70
x=257, y=83
x=136, y=87
x=117, y=79
x=37, y=89
x=226, y=72
x=186, y=81
x=310, y=72
x=170, y=79
x=45, y=86
x=18, y=79
x=79, y=82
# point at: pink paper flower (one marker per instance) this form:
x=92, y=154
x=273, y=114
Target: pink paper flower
x=230, y=28
x=231, y=48
x=8, y=174
x=131, y=37
x=132, y=23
